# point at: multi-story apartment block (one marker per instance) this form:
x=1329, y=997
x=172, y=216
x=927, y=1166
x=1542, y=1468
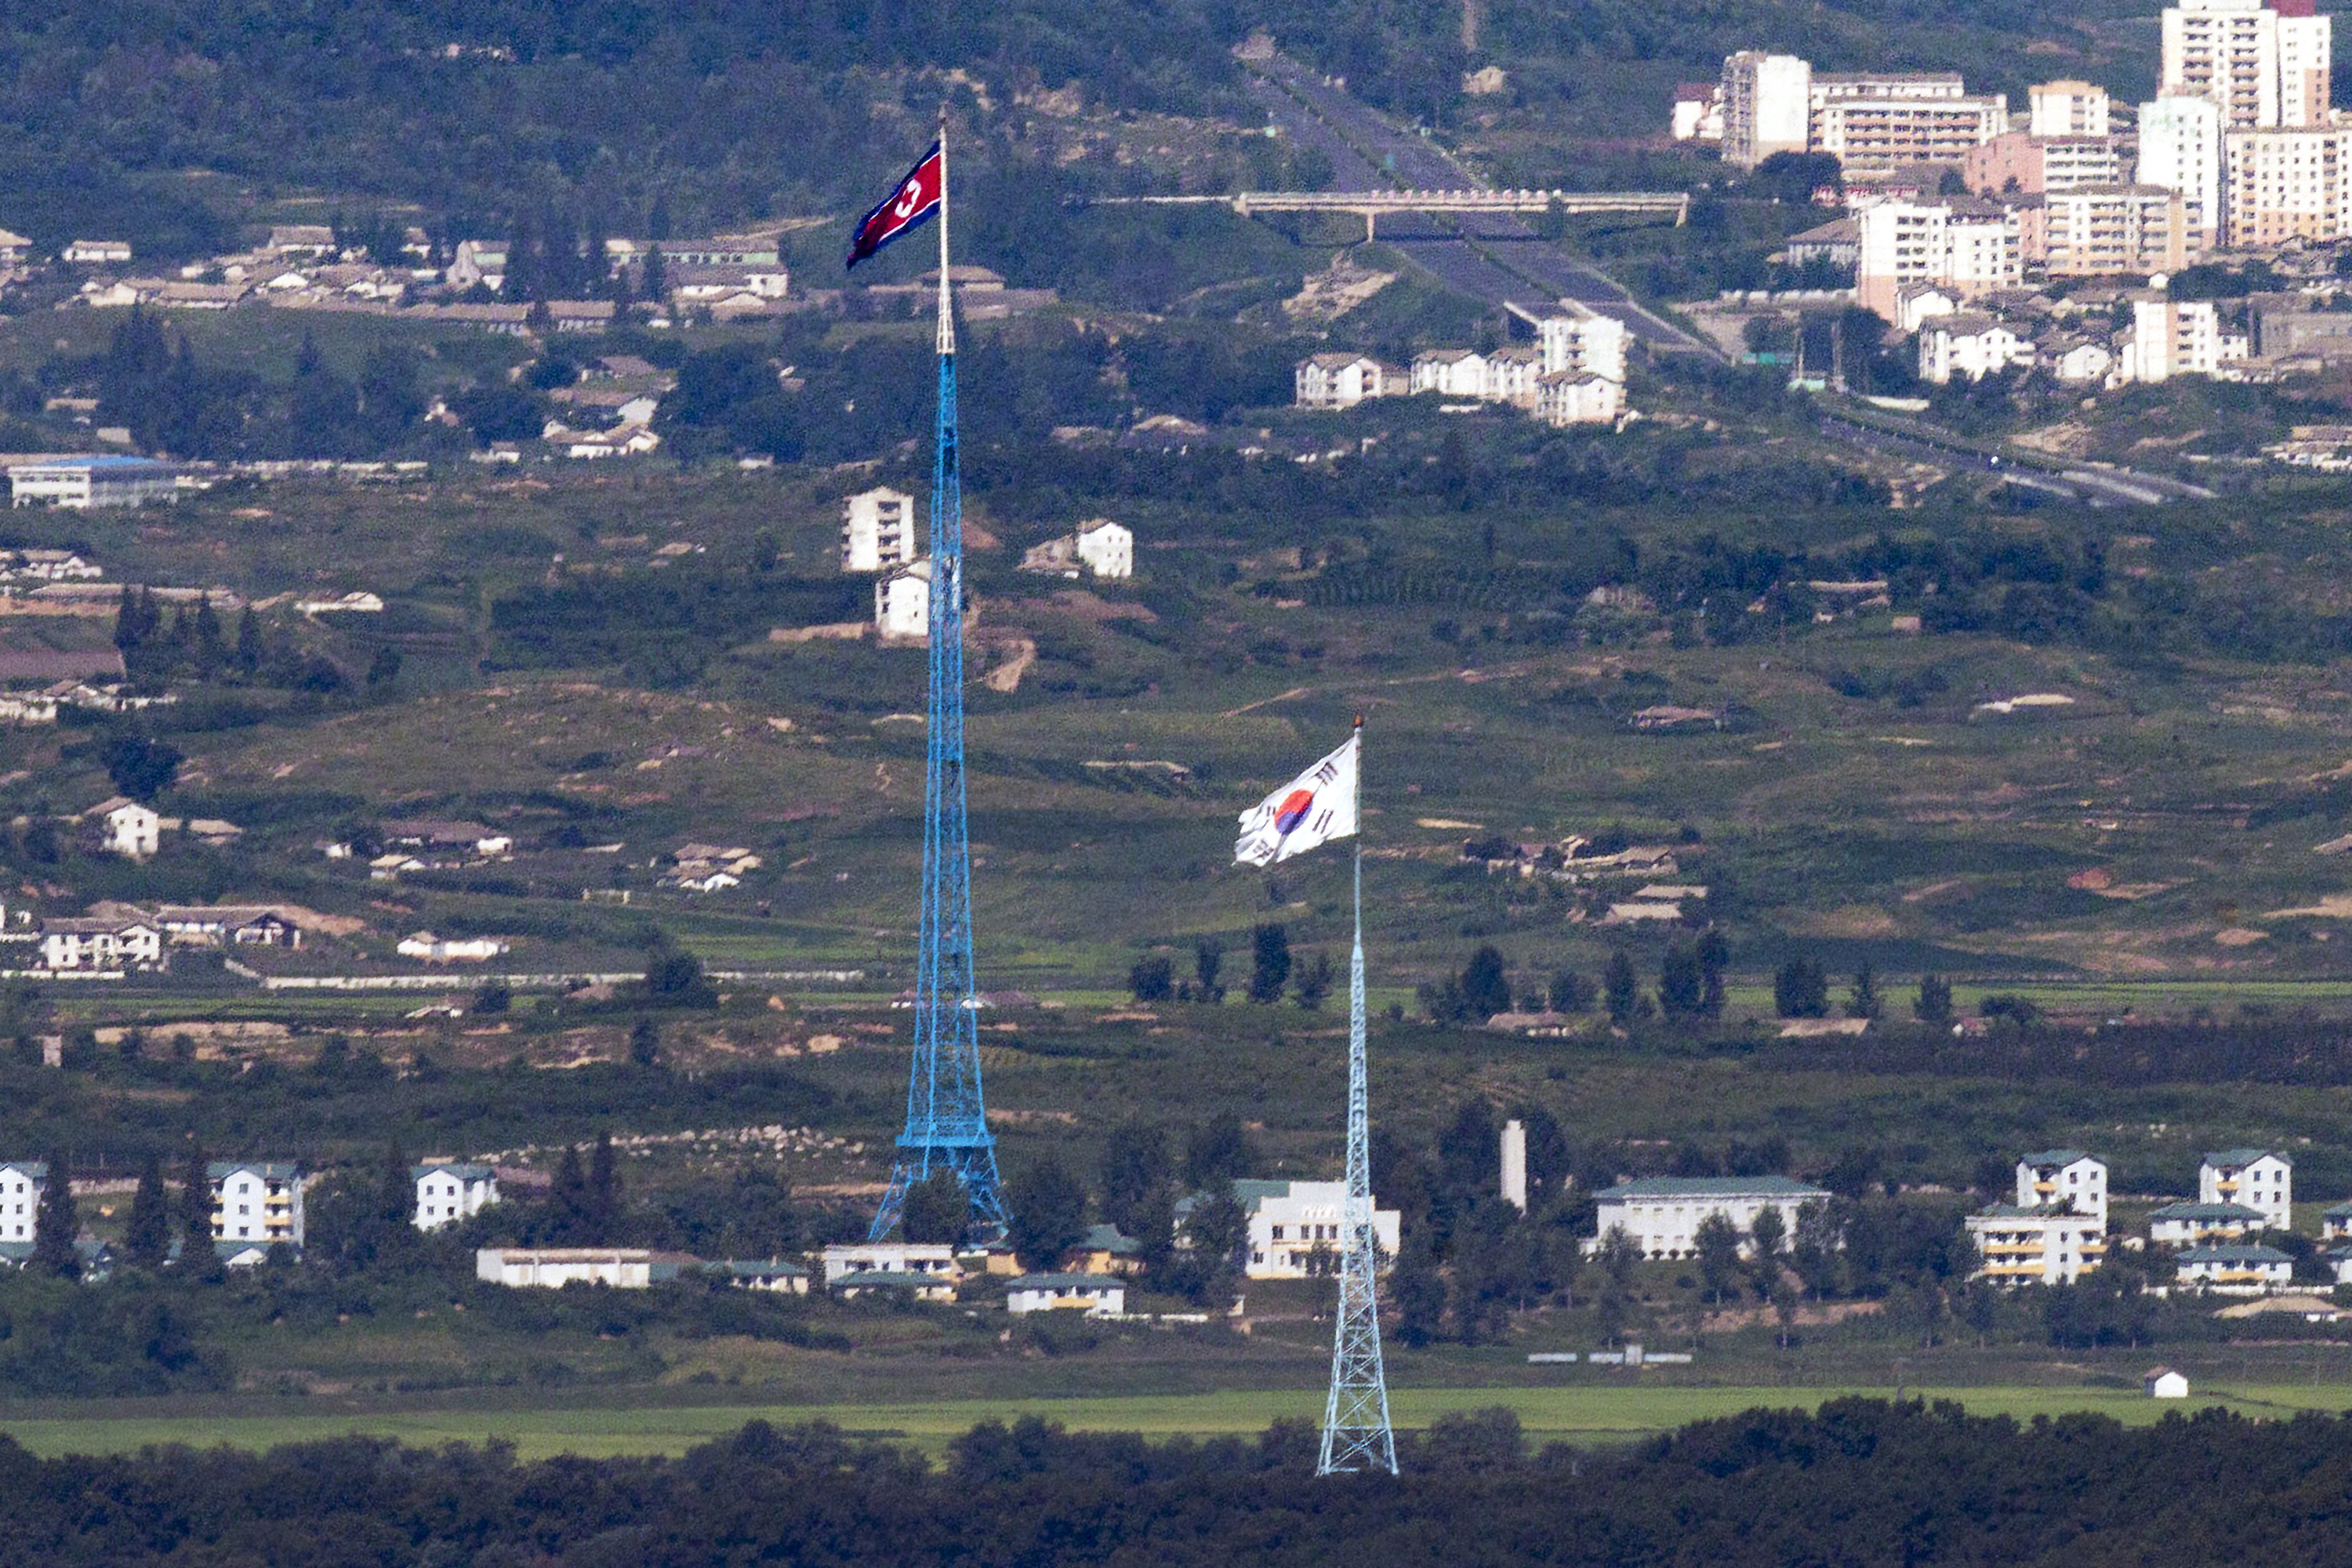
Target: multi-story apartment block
x=256, y=1201
x=1585, y=346
x=1972, y=248
x=1767, y=107
x=2029, y=166
x=2111, y=231
x=2065, y=1179
x=450, y=1192
x=2022, y=1245
x=2264, y=65
x=877, y=531
x=1337, y=379
x=2066, y=109
x=2278, y=185
x=1872, y=135
x=2261, y=1179
x=1662, y=1214
x=2175, y=337
x=21, y=1182
x=2180, y=150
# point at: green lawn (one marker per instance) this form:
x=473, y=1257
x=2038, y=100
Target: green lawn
x=1583, y=1414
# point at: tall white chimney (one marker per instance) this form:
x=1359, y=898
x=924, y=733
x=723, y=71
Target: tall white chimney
x=1515, y=1165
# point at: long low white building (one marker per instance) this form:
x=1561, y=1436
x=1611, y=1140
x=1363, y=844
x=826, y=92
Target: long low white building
x=81, y=482
x=1662, y=1214
x=552, y=1267
x=1294, y=1227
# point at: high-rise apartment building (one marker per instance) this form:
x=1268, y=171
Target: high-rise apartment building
x=2279, y=185
x=2180, y=150
x=1970, y=248
x=2265, y=65
x=2111, y=231
x=1872, y=135
x=1767, y=107
x=2067, y=108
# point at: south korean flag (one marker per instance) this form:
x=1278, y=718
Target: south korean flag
x=1317, y=805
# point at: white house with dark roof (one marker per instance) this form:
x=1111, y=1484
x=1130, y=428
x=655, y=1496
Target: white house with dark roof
x=845, y=1258
x=1096, y=1295
x=1452, y=373
x=21, y=1182
x=2063, y=1178
x=451, y=1192
x=101, y=944
x=2234, y=1268
x=2336, y=1222
x=2259, y=1178
x=1662, y=1214
x=1294, y=1227
x=2036, y=1244
x=119, y=826
x=2195, y=1224
x=257, y=1201
x=1336, y=381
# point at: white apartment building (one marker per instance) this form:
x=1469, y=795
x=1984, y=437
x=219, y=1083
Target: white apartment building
x=1767, y=107
x=1096, y=1295
x=1294, y=1227
x=2261, y=1179
x=127, y=828
x=1336, y=381
x=2111, y=231
x=2264, y=65
x=81, y=482
x=2066, y=109
x=1873, y=136
x=2169, y=337
x=2196, y=1225
x=877, y=531
x=1584, y=346
x=924, y=1258
x=2034, y=1246
x=2235, y=1268
x=448, y=1193
x=1511, y=375
x=1450, y=373
x=2278, y=185
x=2028, y=165
x=1969, y=345
x=902, y=601
x=21, y=1182
x=1568, y=397
x=2063, y=1178
x=1971, y=247
x=2180, y=150
x=1662, y=1214
x=257, y=1201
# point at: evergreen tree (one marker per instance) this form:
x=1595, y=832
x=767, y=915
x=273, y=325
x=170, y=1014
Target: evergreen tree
x=248, y=642
x=1270, y=962
x=126, y=620
x=604, y=1196
x=1863, y=1001
x=1049, y=1212
x=652, y=278
x=1311, y=984
x=1418, y=1294
x=1620, y=989
x=1136, y=1169
x=1219, y=1150
x=1714, y=958
x=1485, y=985
x=196, y=1212
x=210, y=649
x=1208, y=963
x=937, y=1210
x=55, y=1224
x=1800, y=990
x=1682, y=983
x=644, y=1043
x=569, y=1198
x=147, y=1238
x=1570, y=993
x=1935, y=1003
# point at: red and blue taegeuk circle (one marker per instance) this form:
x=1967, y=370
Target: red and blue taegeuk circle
x=1292, y=809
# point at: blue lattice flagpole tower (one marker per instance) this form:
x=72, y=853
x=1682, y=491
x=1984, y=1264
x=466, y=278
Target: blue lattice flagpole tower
x=1356, y=1432
x=947, y=1120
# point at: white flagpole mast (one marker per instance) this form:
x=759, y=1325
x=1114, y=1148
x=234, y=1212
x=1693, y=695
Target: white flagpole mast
x=946, y=311
x=1355, y=1431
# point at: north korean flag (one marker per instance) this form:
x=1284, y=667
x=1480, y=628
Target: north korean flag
x=917, y=198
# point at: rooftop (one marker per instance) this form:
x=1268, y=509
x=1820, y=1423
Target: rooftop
x=1713, y=1187
x=2247, y=1156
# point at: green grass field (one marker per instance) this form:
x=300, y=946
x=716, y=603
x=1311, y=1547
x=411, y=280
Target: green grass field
x=1576, y=1414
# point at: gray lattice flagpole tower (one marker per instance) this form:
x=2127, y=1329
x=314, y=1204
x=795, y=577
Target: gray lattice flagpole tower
x=947, y=1120
x=1356, y=1433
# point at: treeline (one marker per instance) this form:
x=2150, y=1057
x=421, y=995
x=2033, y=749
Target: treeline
x=1861, y=1481
x=661, y=627
x=2276, y=1050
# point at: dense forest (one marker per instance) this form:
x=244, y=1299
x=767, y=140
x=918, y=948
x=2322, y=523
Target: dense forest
x=1863, y=1481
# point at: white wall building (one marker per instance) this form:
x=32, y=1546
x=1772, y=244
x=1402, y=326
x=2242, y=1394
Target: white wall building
x=1571, y=398
x=1872, y=136
x=2066, y=109
x=1294, y=1227
x=1969, y=345
x=1767, y=107
x=448, y=1193
x=126, y=828
x=257, y=1201
x=433, y=949
x=1108, y=548
x=2111, y=231
x=2264, y=65
x=80, y=482
x=927, y=1258
x=1971, y=247
x=1096, y=1295
x=87, y=944
x=2259, y=1178
x=2180, y=150
x=877, y=531
x=1662, y=1214
x=2278, y=185
x=2063, y=1178
x=2194, y=1225
x=21, y=1182
x=2037, y=1245
x=902, y=600
x=2173, y=337
x=1451, y=372
x=552, y=1268
x=1337, y=381
x=1583, y=346
x=2236, y=1269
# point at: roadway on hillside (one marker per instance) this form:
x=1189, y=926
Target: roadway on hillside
x=1535, y=274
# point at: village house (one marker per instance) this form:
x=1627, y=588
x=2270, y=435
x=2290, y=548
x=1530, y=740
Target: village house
x=21, y=1182
x=1661, y=1214
x=2260, y=1179
x=87, y=945
x=879, y=1281
x=2035, y=1246
x=2163, y=1383
x=1096, y=1295
x=2065, y=1179
x=256, y=1201
x=431, y=834
x=1969, y=344
x=2336, y=1222
x=451, y=1192
x=224, y=925
x=1566, y=397
x=926, y=1259
x=96, y=252
x=81, y=482
x=1103, y=548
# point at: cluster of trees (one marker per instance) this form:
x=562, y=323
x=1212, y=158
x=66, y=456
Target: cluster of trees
x=1859, y=1481
x=1690, y=987
x=1274, y=972
x=189, y=643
